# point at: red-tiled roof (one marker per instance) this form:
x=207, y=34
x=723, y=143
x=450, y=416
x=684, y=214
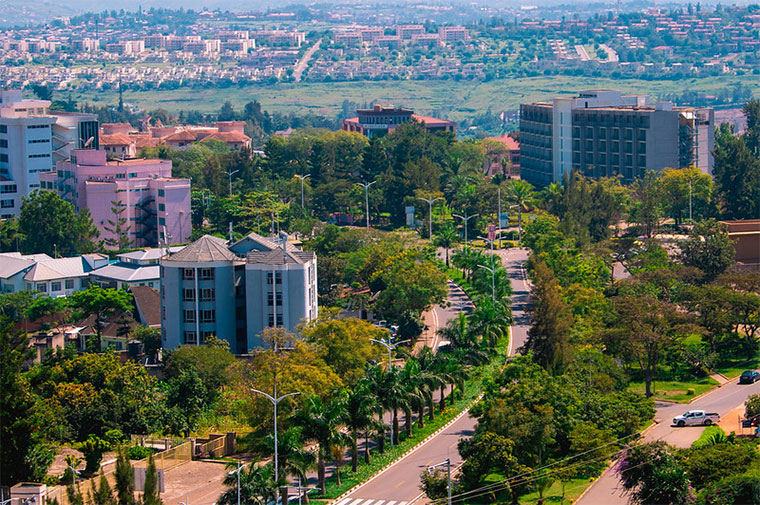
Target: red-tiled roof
x=508, y=141
x=228, y=137
x=115, y=139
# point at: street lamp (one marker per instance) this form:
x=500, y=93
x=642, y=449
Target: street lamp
x=519, y=222
x=465, y=219
x=447, y=463
x=73, y=477
x=303, y=178
x=366, y=186
x=275, y=401
x=187, y=498
x=231, y=173
x=390, y=346
x=430, y=204
x=493, y=279
x=237, y=471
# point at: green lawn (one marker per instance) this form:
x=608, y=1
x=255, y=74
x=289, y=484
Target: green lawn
x=682, y=392
x=456, y=100
x=733, y=368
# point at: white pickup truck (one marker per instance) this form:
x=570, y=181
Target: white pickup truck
x=697, y=418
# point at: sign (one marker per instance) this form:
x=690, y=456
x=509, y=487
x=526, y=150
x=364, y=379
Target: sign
x=491, y=232
x=503, y=220
x=410, y=216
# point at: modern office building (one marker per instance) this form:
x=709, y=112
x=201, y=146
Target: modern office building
x=605, y=134
x=142, y=191
x=379, y=120
x=235, y=291
x=32, y=140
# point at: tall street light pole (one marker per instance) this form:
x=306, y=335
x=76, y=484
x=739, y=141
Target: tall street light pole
x=493, y=279
x=430, y=204
x=390, y=346
x=237, y=471
x=303, y=178
x=231, y=173
x=366, y=186
x=447, y=464
x=275, y=401
x=465, y=219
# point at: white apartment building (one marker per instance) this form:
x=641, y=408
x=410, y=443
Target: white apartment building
x=32, y=140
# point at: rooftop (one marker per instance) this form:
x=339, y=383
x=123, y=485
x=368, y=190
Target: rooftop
x=206, y=249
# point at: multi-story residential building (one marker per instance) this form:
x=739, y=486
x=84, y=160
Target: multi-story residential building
x=407, y=32
x=379, y=120
x=142, y=192
x=279, y=38
x=235, y=291
x=85, y=45
x=449, y=34
x=606, y=134
x=32, y=139
x=49, y=276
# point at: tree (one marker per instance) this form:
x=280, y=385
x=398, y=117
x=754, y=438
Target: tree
x=651, y=474
x=520, y=193
x=360, y=412
x=709, y=248
x=486, y=453
x=101, y=303
x=188, y=394
x=491, y=320
x=647, y=210
x=737, y=175
x=49, y=225
x=150, y=337
x=321, y=422
x=151, y=491
x=257, y=485
x=125, y=480
x=550, y=321
x=103, y=495
x=685, y=187
x=211, y=361
x=119, y=227
x=93, y=449
x=292, y=457
x=446, y=238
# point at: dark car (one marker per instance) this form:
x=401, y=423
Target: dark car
x=749, y=377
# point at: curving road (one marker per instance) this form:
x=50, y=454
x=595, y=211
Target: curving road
x=399, y=483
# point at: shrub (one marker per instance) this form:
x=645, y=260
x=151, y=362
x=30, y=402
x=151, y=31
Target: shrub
x=139, y=452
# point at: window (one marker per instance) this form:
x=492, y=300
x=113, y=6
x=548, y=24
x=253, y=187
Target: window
x=3, y=143
x=161, y=207
x=642, y=160
x=589, y=145
x=161, y=192
x=46, y=155
x=6, y=204
x=589, y=132
x=3, y=128
x=642, y=147
x=132, y=174
x=188, y=295
x=207, y=274
x=615, y=133
x=628, y=160
x=279, y=320
x=83, y=283
x=642, y=135
x=120, y=176
x=277, y=276
x=602, y=145
x=161, y=221
x=205, y=335
x=34, y=141
x=208, y=316
x=55, y=286
x=69, y=284
x=602, y=133
x=190, y=337
x=269, y=298
x=208, y=294
x=8, y=188
x=35, y=127
x=188, y=274
x=628, y=134
x=189, y=316
x=42, y=287
x=4, y=157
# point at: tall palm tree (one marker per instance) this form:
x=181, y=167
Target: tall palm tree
x=360, y=412
x=457, y=332
x=292, y=458
x=321, y=423
x=376, y=378
x=397, y=397
x=410, y=376
x=491, y=320
x=520, y=192
x=257, y=485
x=446, y=238
x=426, y=361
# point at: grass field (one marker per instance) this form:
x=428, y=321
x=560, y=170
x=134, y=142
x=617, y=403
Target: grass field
x=734, y=368
x=456, y=100
x=676, y=391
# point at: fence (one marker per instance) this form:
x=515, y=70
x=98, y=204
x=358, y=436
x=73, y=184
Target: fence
x=215, y=446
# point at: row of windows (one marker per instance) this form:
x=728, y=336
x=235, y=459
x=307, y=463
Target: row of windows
x=207, y=295
x=614, y=133
x=39, y=141
x=269, y=298
x=614, y=145
x=46, y=155
x=54, y=286
x=6, y=204
x=8, y=188
x=36, y=127
x=204, y=274
x=191, y=337
x=207, y=316
x=613, y=159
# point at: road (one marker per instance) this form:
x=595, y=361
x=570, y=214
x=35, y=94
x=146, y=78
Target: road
x=723, y=400
x=304, y=62
x=582, y=52
x=399, y=483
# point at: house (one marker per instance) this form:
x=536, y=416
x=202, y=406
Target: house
x=133, y=269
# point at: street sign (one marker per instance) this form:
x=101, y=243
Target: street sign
x=491, y=232
x=503, y=220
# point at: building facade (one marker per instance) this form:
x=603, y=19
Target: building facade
x=235, y=291
x=141, y=192
x=607, y=134
x=32, y=140
x=379, y=120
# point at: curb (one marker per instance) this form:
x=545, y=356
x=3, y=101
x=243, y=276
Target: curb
x=408, y=452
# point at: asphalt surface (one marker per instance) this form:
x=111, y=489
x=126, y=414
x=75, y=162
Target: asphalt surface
x=399, y=483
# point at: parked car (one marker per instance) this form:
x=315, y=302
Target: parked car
x=749, y=377
x=697, y=418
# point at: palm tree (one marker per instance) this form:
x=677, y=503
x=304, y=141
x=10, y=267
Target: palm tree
x=446, y=238
x=410, y=377
x=457, y=332
x=426, y=361
x=397, y=397
x=257, y=485
x=292, y=458
x=360, y=412
x=520, y=192
x=321, y=422
x=491, y=320
x=376, y=382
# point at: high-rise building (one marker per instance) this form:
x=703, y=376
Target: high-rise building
x=235, y=291
x=606, y=134
x=32, y=140
x=141, y=192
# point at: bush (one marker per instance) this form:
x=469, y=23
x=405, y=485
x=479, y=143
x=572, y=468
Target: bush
x=139, y=452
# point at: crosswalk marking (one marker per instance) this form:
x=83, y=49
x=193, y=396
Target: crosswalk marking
x=368, y=501
x=343, y=501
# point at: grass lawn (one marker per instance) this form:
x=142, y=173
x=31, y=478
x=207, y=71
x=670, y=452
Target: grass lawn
x=733, y=368
x=682, y=392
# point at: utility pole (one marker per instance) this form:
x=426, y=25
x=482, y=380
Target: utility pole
x=493, y=279
x=390, y=346
x=430, y=205
x=465, y=219
x=366, y=186
x=231, y=173
x=691, y=220
x=303, y=178
x=447, y=463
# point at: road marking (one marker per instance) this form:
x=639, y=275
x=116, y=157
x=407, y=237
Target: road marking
x=391, y=503
x=357, y=501
x=343, y=501
x=368, y=502
x=400, y=482
x=453, y=445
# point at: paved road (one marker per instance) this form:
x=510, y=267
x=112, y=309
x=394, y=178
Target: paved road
x=301, y=65
x=723, y=400
x=399, y=484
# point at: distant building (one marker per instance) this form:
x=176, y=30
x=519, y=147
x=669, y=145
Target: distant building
x=235, y=291
x=746, y=236
x=407, y=32
x=449, y=34
x=379, y=120
x=152, y=201
x=49, y=276
x=133, y=269
x=605, y=134
x=32, y=139
x=495, y=159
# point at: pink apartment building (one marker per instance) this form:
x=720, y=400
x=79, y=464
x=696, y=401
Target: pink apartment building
x=151, y=198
